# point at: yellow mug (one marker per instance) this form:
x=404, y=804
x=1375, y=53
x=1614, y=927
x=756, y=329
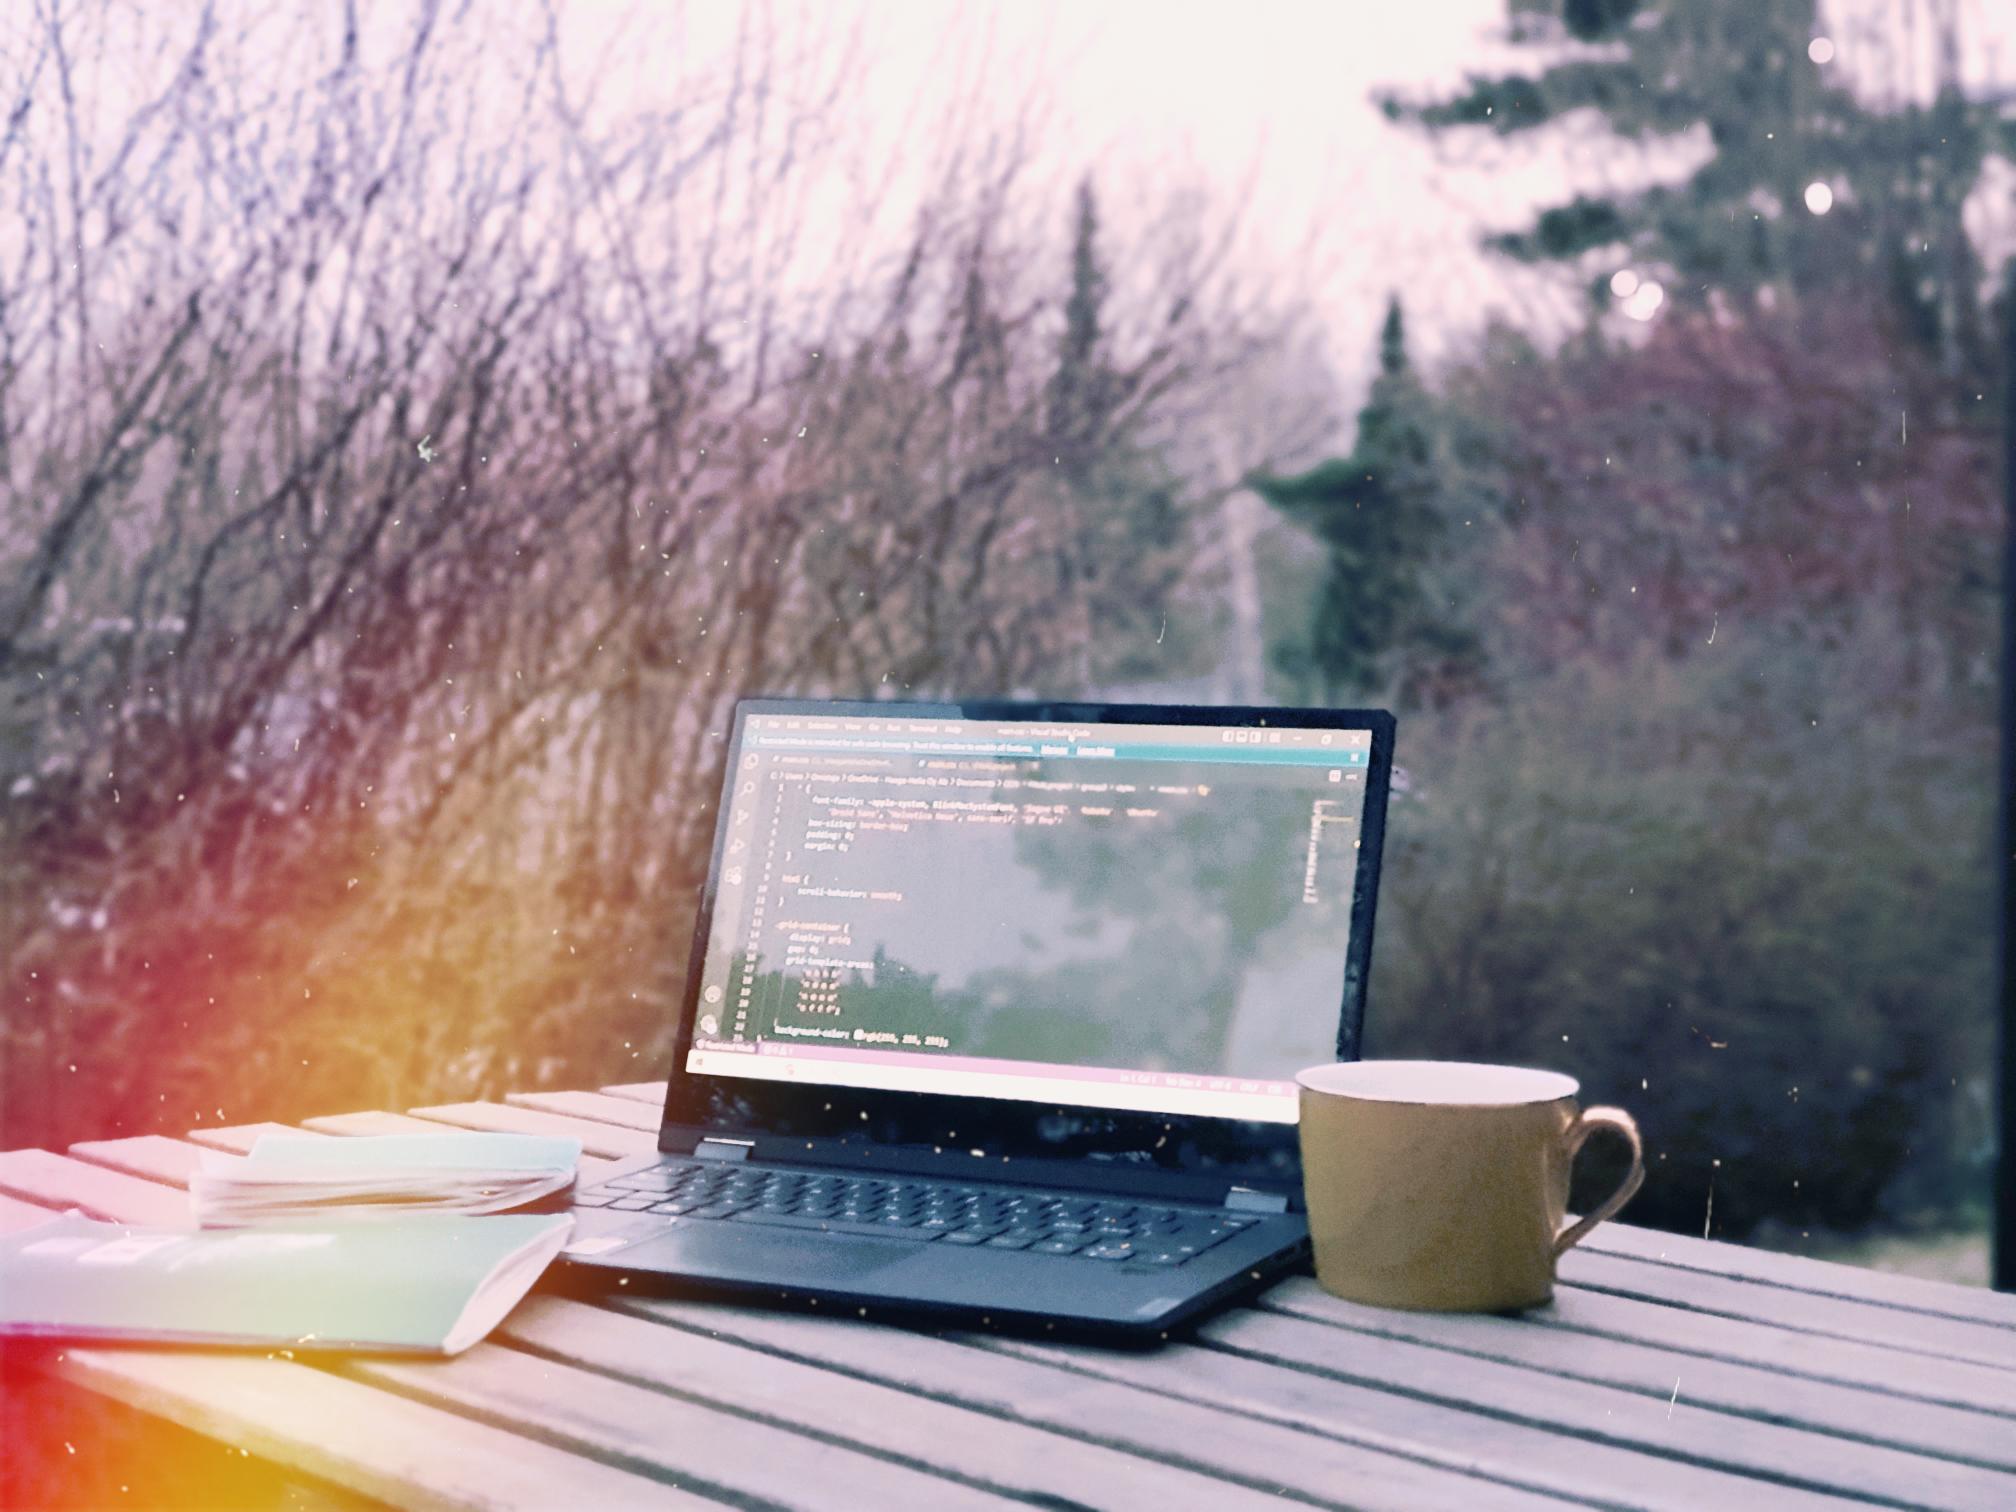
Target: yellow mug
x=1443, y=1185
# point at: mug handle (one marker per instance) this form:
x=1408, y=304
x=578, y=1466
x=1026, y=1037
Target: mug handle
x=1617, y=1121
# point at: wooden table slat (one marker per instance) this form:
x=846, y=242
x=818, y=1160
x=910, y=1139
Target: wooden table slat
x=373, y=1122
x=1762, y=1302
x=720, y=1453
x=60, y=1182
x=597, y=1107
x=1797, y=1355
x=1618, y=1473
x=1684, y=1426
x=152, y=1157
x=645, y=1092
x=237, y=1138
x=357, y=1436
x=1826, y=1278
x=1011, y=1456
x=16, y=1214
x=609, y=1140
x=1854, y=1412
x=1193, y=1407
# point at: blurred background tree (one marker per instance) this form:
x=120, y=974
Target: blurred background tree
x=391, y=520
x=1710, y=826
x=1746, y=89
x=1382, y=626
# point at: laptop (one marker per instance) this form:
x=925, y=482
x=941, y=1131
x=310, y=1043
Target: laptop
x=994, y=1010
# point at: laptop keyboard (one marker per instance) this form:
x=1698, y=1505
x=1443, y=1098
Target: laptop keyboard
x=1041, y=1223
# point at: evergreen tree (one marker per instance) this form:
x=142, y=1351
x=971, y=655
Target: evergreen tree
x=1081, y=391
x=1376, y=626
x=1778, y=121
x=1120, y=493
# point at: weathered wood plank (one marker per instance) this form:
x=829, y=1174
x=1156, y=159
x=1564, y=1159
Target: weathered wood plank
x=16, y=1214
x=238, y=1138
x=1747, y=1390
x=1872, y=1367
x=1682, y=1427
x=1574, y=1469
x=57, y=1181
x=609, y=1140
x=981, y=1448
x=152, y=1157
x=1872, y=1323
x=370, y=1123
x=598, y=1107
x=1803, y=1273
x=356, y=1436
x=1221, y=1414
x=724, y=1454
x=646, y=1092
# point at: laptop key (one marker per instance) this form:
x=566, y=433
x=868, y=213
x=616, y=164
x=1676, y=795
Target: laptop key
x=1109, y=1252
x=718, y=1210
x=833, y=1226
x=1012, y=1240
x=631, y=1204
x=1067, y=1244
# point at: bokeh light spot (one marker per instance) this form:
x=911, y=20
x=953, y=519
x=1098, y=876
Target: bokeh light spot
x=1819, y=198
x=1645, y=301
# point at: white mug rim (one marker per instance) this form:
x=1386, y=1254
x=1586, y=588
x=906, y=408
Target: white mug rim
x=1386, y=1081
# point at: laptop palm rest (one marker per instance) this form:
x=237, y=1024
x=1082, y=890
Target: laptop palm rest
x=752, y=1254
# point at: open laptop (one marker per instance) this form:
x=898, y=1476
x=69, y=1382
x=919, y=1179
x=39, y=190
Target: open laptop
x=994, y=1008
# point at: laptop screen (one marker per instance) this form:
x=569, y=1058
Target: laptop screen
x=1152, y=917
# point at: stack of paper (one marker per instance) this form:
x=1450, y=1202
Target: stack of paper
x=432, y=1284
x=309, y=1176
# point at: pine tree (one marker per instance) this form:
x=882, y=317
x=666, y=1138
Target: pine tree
x=1081, y=389
x=1375, y=628
x=1778, y=120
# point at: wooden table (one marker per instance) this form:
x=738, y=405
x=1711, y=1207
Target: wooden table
x=1669, y=1372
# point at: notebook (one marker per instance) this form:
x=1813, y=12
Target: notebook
x=306, y=1176
x=427, y=1284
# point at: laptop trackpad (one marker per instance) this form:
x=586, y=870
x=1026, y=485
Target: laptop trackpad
x=748, y=1252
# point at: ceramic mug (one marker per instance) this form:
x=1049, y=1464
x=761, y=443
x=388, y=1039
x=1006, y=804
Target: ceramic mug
x=1443, y=1185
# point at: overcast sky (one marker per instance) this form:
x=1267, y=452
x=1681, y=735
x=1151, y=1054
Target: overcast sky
x=1271, y=100
x=1266, y=100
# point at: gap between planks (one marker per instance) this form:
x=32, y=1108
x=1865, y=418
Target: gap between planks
x=1263, y=1412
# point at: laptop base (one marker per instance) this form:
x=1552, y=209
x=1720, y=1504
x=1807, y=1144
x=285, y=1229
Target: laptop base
x=926, y=1280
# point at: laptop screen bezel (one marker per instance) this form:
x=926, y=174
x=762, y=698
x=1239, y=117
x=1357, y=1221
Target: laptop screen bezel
x=1174, y=1154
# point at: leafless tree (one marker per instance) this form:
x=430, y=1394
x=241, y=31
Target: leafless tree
x=407, y=458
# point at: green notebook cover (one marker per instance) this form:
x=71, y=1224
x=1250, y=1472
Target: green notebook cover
x=427, y=1284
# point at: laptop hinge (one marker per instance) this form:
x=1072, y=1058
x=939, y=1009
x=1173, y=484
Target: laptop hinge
x=723, y=1149
x=1246, y=1200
